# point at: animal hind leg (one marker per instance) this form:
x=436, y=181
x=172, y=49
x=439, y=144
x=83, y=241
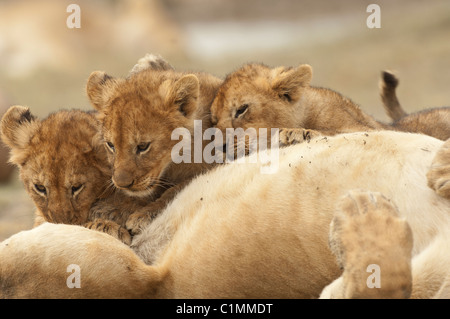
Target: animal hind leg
x=373, y=246
x=439, y=173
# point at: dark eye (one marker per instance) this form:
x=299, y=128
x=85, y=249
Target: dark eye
x=287, y=97
x=76, y=189
x=141, y=148
x=41, y=189
x=241, y=110
x=110, y=146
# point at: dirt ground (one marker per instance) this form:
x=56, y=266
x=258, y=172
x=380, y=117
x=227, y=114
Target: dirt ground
x=17, y=210
x=44, y=65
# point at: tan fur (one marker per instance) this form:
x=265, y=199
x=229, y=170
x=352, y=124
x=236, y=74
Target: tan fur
x=282, y=98
x=144, y=109
x=434, y=121
x=151, y=61
x=253, y=235
x=388, y=85
x=63, y=166
x=97, y=254
x=439, y=173
x=366, y=230
x=6, y=169
x=67, y=150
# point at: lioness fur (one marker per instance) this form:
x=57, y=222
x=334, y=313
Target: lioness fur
x=253, y=235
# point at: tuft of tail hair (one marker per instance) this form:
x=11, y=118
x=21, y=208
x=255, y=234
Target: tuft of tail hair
x=388, y=85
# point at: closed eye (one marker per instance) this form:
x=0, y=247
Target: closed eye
x=40, y=189
x=142, y=147
x=241, y=110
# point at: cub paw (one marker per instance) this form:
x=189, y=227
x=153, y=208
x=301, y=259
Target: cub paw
x=110, y=228
x=439, y=173
x=139, y=220
x=291, y=136
x=367, y=231
x=106, y=211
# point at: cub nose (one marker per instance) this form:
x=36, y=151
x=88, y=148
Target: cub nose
x=123, y=179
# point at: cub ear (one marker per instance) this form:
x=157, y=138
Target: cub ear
x=288, y=82
x=151, y=62
x=184, y=93
x=18, y=126
x=97, y=88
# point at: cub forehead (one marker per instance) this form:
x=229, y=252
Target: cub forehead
x=133, y=118
x=63, y=143
x=67, y=127
x=58, y=161
x=134, y=102
x=242, y=85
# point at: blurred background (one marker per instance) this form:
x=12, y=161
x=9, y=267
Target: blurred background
x=44, y=64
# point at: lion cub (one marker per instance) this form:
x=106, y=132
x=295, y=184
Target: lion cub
x=63, y=166
x=434, y=121
x=257, y=96
x=138, y=116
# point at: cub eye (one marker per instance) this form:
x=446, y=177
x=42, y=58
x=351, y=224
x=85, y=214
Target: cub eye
x=76, y=189
x=287, y=97
x=110, y=146
x=40, y=189
x=241, y=110
x=141, y=148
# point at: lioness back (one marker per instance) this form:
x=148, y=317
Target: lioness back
x=257, y=235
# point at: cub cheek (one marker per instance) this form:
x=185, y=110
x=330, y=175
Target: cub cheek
x=39, y=201
x=110, y=158
x=222, y=127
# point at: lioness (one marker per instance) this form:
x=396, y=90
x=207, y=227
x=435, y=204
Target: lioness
x=236, y=233
x=434, y=121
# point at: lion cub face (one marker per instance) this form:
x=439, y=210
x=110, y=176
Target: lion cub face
x=61, y=161
x=138, y=116
x=257, y=96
